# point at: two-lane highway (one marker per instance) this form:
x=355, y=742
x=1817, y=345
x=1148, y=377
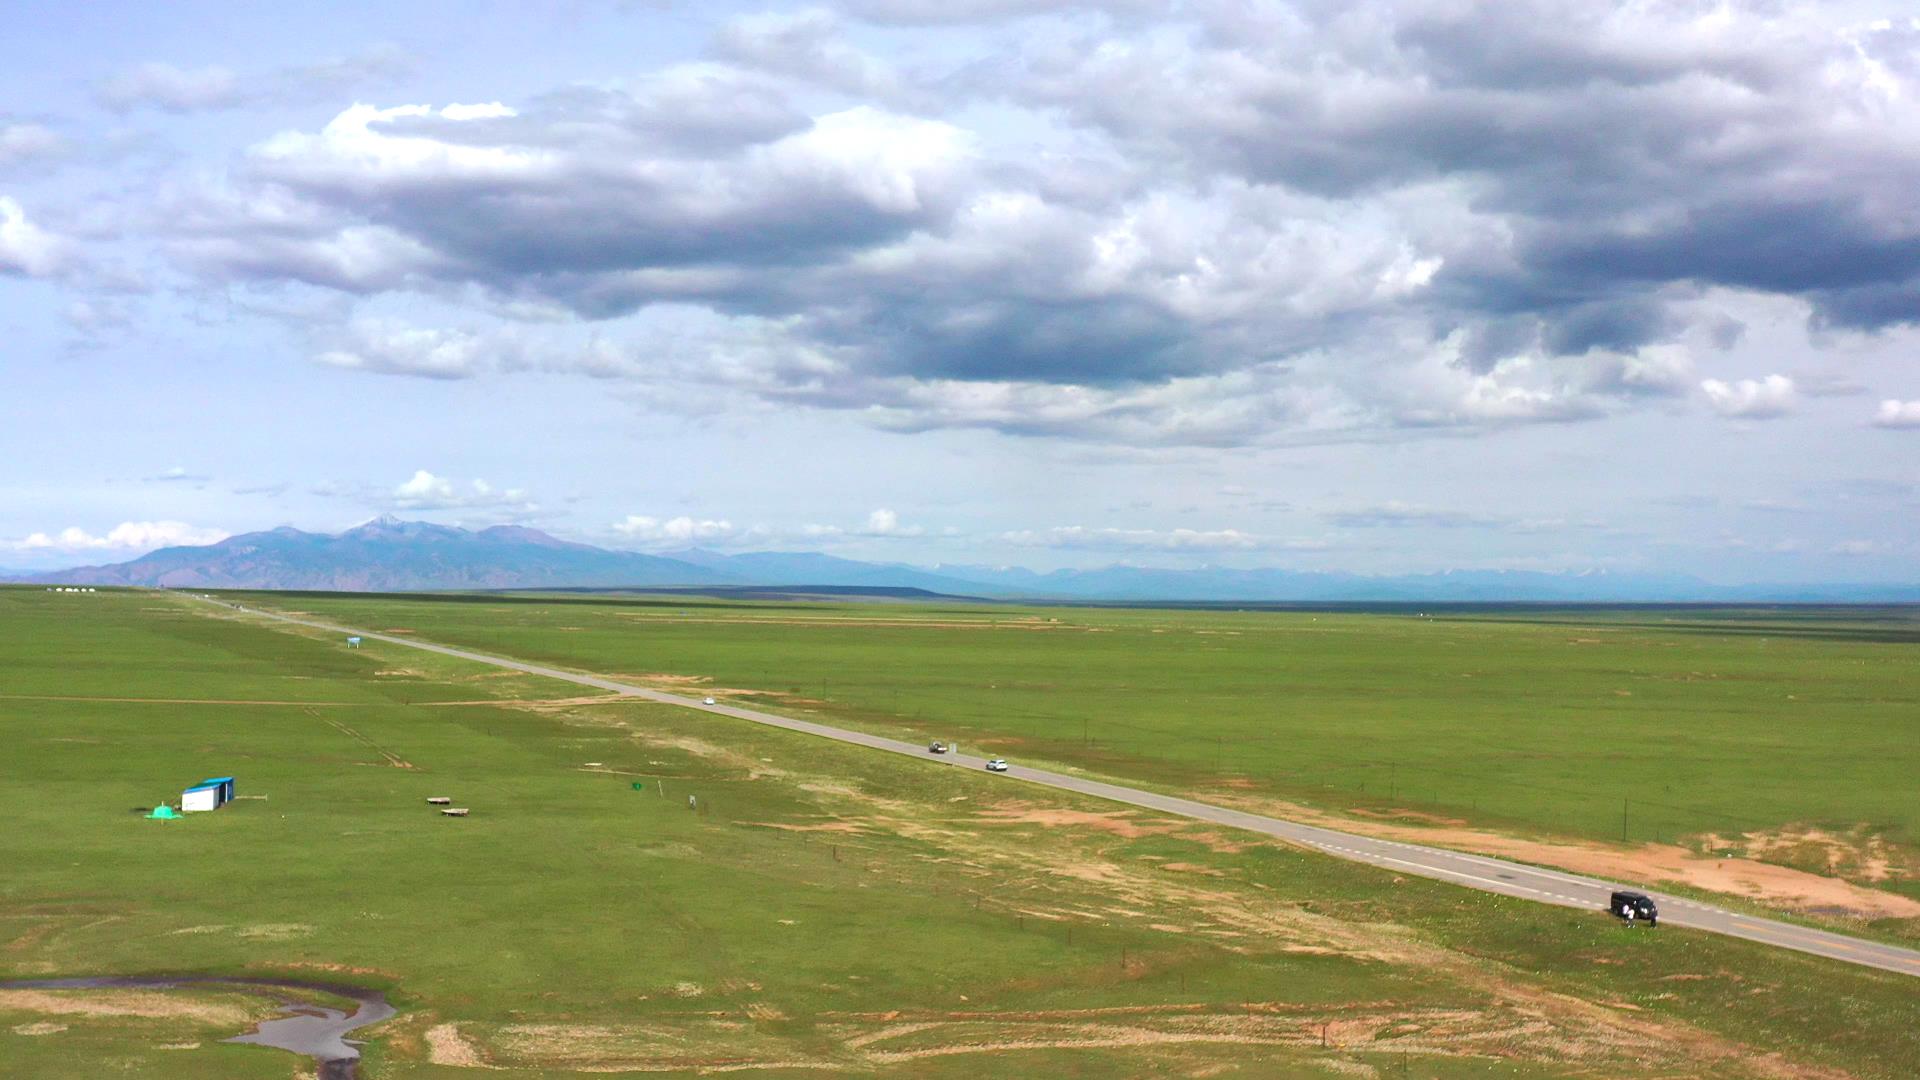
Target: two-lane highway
x=1472, y=871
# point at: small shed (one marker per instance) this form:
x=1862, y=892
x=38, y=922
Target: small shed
x=200, y=797
x=225, y=783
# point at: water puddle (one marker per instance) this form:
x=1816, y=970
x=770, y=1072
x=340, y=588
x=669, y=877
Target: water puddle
x=315, y=1031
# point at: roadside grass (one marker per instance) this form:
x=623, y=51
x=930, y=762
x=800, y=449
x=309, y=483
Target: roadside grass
x=1680, y=726
x=818, y=905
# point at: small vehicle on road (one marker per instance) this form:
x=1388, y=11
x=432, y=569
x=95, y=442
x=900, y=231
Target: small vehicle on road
x=997, y=765
x=706, y=701
x=1632, y=906
x=936, y=747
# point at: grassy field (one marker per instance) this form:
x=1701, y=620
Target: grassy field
x=1793, y=735
x=818, y=908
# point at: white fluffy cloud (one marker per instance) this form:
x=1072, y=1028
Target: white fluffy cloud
x=674, y=531
x=26, y=248
x=393, y=348
x=1898, y=414
x=887, y=523
x=425, y=491
x=126, y=537
x=1751, y=399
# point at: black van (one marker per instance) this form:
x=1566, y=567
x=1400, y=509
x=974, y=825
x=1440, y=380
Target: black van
x=1631, y=905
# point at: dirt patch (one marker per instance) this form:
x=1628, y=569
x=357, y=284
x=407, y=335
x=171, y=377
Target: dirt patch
x=41, y=1027
x=700, y=748
x=820, y=826
x=684, y=1045
x=1589, y=1036
x=1859, y=853
x=1780, y=886
x=446, y=1046
x=1121, y=823
x=274, y=931
x=1408, y=815
x=1221, y=844
x=702, y=686
x=340, y=969
x=153, y=1004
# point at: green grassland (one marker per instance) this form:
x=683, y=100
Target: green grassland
x=821, y=910
x=1641, y=725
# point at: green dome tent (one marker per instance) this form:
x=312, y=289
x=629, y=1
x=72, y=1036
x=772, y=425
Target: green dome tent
x=163, y=812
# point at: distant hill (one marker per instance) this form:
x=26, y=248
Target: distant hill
x=387, y=555
x=811, y=568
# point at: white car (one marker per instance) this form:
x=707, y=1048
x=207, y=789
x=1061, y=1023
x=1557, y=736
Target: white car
x=997, y=765
x=706, y=701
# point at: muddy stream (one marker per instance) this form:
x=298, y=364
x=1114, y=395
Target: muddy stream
x=314, y=1030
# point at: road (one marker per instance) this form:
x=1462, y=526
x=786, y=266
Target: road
x=1472, y=871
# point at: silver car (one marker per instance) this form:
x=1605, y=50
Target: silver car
x=997, y=765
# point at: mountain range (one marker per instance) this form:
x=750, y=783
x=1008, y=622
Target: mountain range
x=389, y=555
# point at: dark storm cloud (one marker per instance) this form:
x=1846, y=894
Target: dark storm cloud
x=1622, y=150
x=1092, y=343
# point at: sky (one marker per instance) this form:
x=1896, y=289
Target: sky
x=1379, y=288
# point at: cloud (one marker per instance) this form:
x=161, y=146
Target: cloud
x=28, y=250
x=1155, y=224
x=1751, y=399
x=880, y=524
x=1601, y=153
x=376, y=65
x=951, y=12
x=177, y=474
x=678, y=531
x=128, y=536
x=25, y=143
x=1079, y=537
x=887, y=523
x=807, y=45
x=393, y=348
x=1395, y=515
x=425, y=491
x=583, y=204
x=1897, y=414
x=169, y=88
